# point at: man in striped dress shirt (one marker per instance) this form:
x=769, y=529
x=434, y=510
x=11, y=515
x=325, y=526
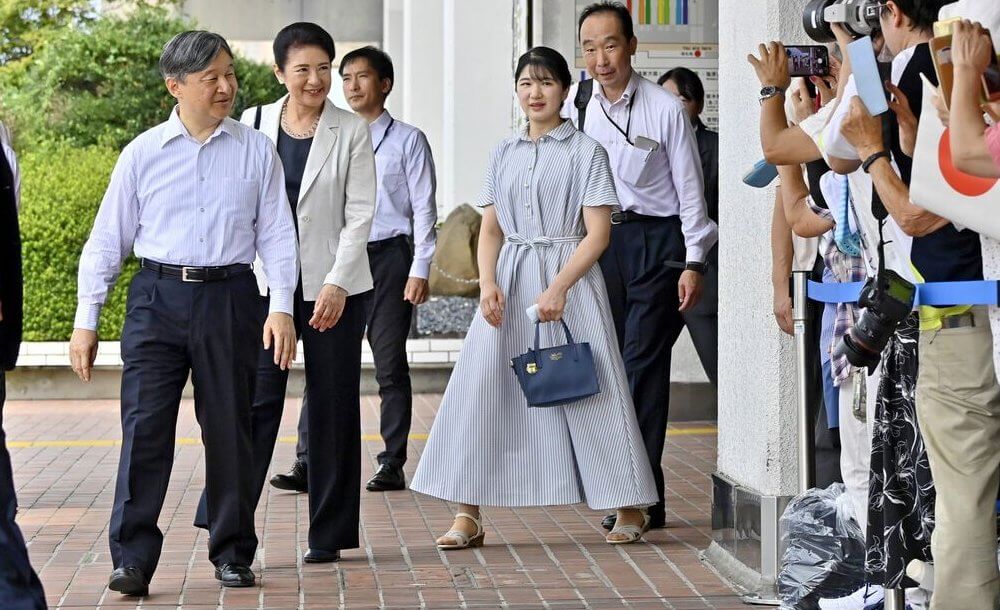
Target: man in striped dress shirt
x=196, y=197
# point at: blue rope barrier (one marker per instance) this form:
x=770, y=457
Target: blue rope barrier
x=938, y=294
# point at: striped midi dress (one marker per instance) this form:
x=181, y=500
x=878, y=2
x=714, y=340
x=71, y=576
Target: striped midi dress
x=486, y=446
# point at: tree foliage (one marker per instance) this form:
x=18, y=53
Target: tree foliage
x=25, y=25
x=98, y=84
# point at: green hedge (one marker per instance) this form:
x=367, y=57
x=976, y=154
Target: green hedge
x=62, y=187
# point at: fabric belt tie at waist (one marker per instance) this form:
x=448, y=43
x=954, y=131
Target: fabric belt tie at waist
x=536, y=244
x=937, y=294
x=195, y=274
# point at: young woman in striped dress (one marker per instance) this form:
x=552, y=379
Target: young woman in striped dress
x=546, y=220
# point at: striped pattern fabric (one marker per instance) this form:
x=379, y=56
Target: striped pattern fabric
x=487, y=447
x=179, y=201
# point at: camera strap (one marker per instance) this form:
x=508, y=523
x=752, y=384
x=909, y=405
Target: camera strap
x=584, y=91
x=878, y=207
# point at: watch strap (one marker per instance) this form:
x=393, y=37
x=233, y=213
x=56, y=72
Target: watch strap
x=866, y=166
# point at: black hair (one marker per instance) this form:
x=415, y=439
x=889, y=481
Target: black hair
x=544, y=59
x=923, y=13
x=378, y=59
x=688, y=83
x=617, y=9
x=301, y=34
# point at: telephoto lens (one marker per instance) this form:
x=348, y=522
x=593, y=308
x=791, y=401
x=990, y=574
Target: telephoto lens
x=859, y=17
x=887, y=301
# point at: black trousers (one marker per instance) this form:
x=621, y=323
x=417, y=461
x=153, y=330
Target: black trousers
x=333, y=379
x=388, y=320
x=641, y=268
x=703, y=321
x=172, y=328
x=20, y=588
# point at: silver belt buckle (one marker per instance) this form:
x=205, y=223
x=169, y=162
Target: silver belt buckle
x=184, y=275
x=616, y=217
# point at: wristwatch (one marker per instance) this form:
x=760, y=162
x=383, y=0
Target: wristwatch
x=768, y=92
x=696, y=267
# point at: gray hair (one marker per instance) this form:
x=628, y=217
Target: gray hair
x=190, y=52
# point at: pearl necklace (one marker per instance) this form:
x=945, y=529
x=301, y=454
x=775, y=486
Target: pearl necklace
x=301, y=136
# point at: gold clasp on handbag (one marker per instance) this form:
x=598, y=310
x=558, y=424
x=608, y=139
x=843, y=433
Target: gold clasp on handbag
x=532, y=368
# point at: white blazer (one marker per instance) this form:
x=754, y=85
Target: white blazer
x=336, y=200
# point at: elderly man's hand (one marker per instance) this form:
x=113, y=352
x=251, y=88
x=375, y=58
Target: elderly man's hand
x=772, y=67
x=862, y=130
x=279, y=331
x=908, y=121
x=83, y=352
x=971, y=48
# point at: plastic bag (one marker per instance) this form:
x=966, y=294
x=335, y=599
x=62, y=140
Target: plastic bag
x=825, y=549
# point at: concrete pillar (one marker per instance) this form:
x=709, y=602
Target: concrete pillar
x=757, y=415
x=477, y=94
x=421, y=60
x=393, y=43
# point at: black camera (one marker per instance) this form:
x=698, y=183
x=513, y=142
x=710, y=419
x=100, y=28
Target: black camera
x=859, y=17
x=887, y=300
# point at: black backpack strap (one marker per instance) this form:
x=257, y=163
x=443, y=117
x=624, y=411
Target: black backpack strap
x=583, y=93
x=256, y=119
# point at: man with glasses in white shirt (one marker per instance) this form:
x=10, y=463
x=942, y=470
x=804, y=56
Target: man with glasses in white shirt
x=660, y=238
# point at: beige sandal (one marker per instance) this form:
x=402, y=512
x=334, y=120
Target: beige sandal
x=633, y=533
x=464, y=540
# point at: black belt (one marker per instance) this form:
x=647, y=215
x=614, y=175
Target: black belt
x=195, y=274
x=618, y=218
x=382, y=243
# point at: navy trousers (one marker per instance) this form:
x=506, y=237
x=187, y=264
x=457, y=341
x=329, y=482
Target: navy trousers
x=211, y=330
x=20, y=588
x=333, y=379
x=388, y=322
x=641, y=268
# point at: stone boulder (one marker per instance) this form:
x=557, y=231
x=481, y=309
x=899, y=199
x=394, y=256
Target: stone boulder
x=454, y=270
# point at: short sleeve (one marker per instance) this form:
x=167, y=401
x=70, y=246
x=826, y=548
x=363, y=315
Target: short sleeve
x=833, y=143
x=993, y=143
x=488, y=196
x=600, y=189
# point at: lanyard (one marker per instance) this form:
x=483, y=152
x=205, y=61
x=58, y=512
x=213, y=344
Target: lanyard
x=628, y=124
x=385, y=134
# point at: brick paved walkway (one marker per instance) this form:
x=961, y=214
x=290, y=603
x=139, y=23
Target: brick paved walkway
x=65, y=455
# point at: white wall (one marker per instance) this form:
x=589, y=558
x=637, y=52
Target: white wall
x=756, y=370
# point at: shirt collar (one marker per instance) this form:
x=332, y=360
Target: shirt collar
x=630, y=88
x=381, y=124
x=563, y=131
x=175, y=128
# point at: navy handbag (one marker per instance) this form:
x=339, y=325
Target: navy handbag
x=556, y=375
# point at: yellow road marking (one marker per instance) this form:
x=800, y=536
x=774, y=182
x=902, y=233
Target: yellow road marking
x=699, y=431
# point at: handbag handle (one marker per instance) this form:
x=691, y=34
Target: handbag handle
x=569, y=341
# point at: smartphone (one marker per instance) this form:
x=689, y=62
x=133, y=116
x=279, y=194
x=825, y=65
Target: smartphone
x=941, y=55
x=866, y=76
x=760, y=175
x=808, y=60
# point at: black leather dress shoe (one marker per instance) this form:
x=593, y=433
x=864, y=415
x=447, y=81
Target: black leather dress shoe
x=317, y=556
x=129, y=581
x=655, y=522
x=232, y=575
x=295, y=480
x=387, y=478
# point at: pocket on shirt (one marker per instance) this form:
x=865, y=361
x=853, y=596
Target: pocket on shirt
x=240, y=205
x=635, y=166
x=393, y=182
